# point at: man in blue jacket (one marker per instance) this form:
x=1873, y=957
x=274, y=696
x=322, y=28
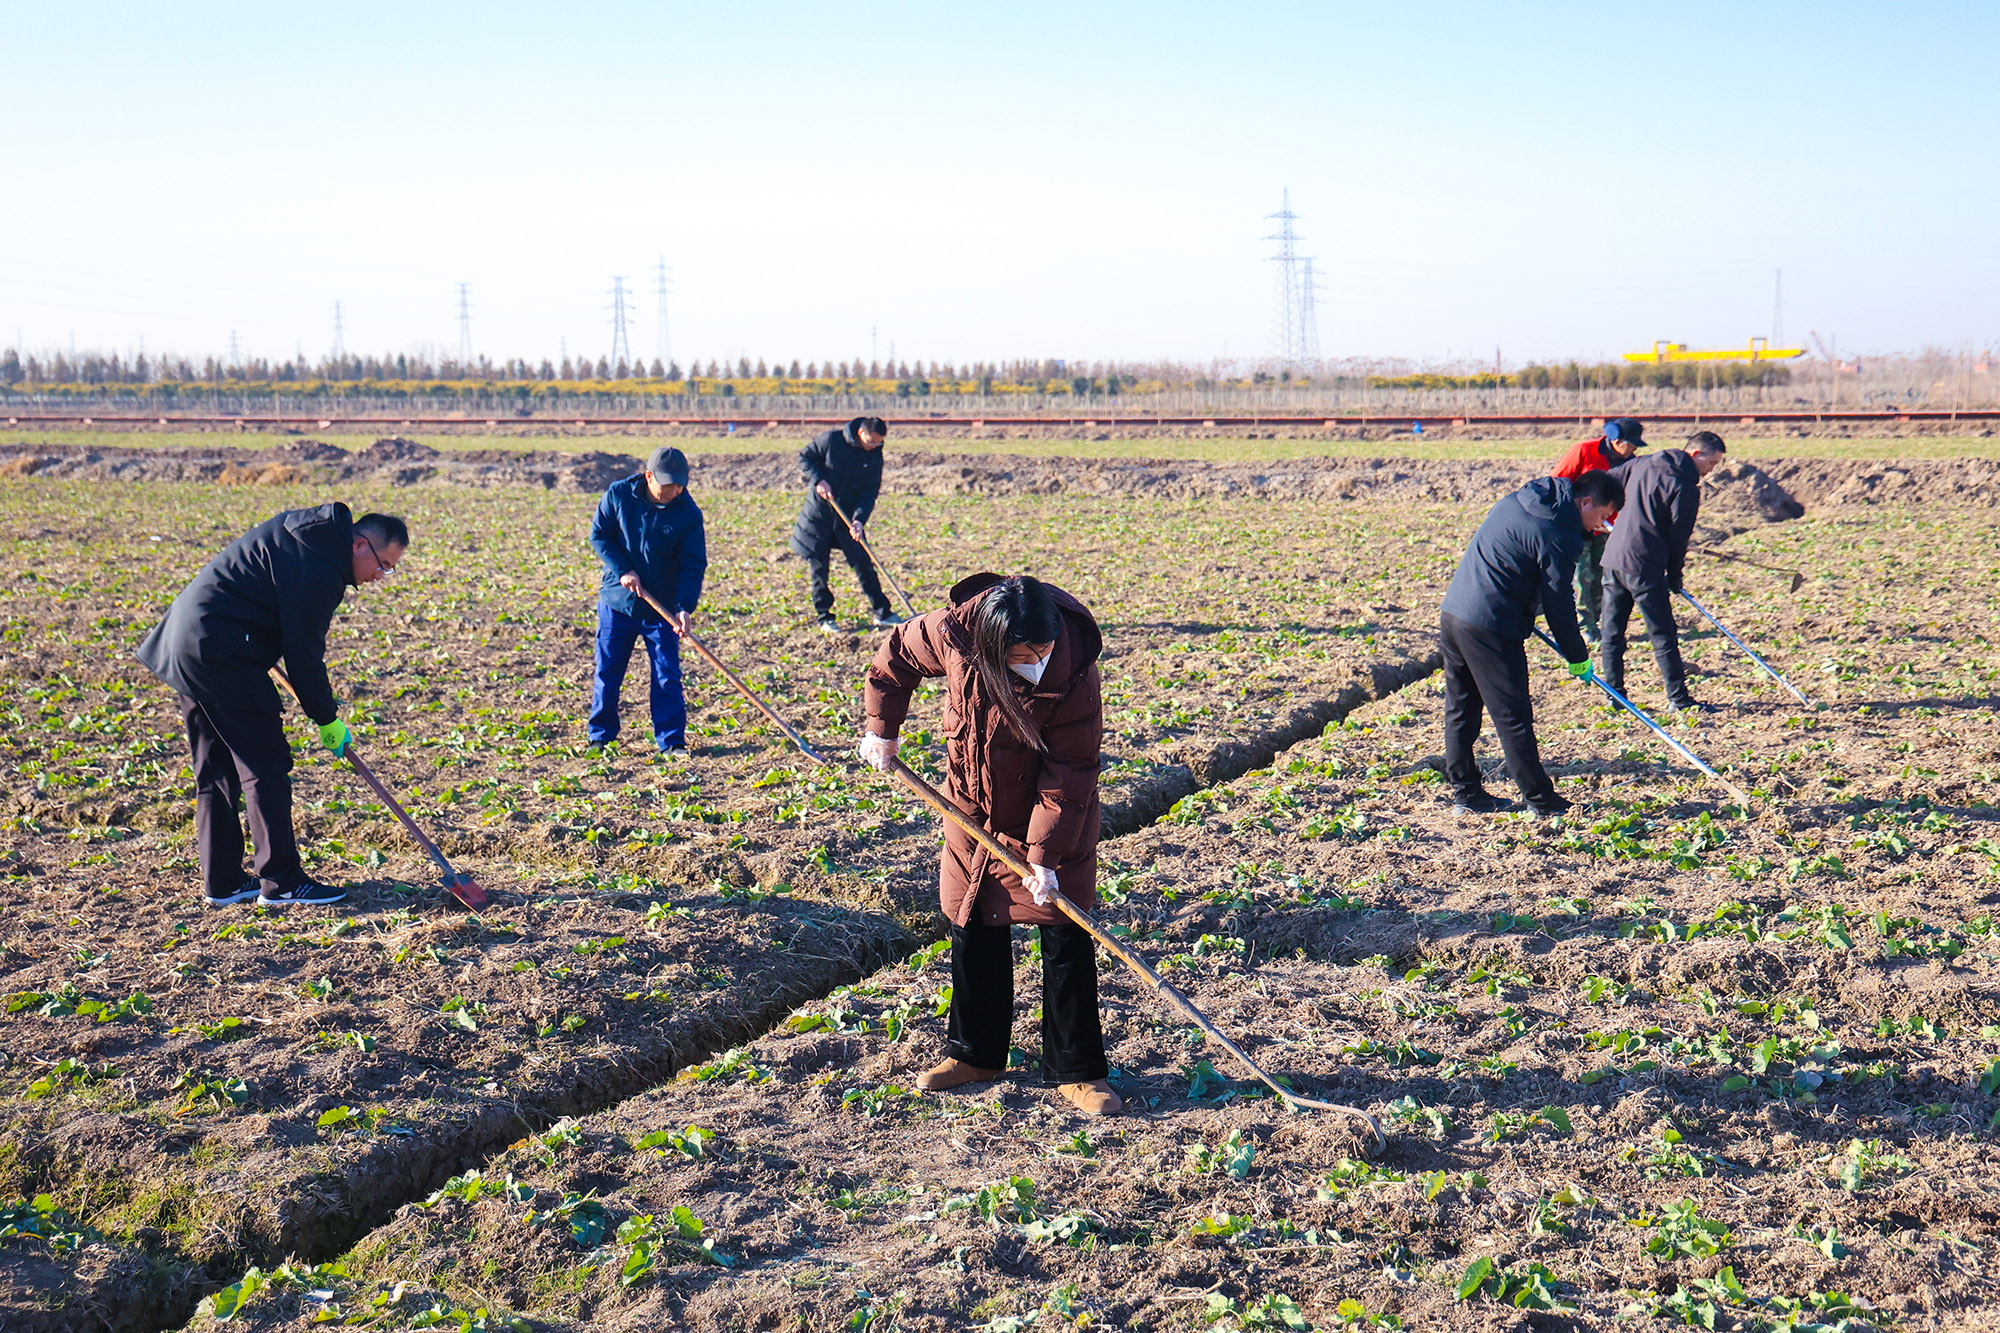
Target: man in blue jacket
x=1519, y=564
x=269, y=595
x=649, y=535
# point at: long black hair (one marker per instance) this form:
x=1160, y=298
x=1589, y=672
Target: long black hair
x=1014, y=611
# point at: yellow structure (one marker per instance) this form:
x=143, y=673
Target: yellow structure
x=1758, y=350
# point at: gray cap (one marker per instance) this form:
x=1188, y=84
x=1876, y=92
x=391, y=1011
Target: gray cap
x=668, y=464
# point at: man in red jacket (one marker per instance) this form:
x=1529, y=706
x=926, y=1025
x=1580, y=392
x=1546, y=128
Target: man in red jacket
x=1619, y=442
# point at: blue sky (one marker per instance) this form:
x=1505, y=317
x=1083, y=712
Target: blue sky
x=990, y=182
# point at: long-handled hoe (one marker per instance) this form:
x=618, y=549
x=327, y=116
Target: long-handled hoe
x=1769, y=670
x=840, y=513
x=1742, y=797
x=456, y=882
x=945, y=807
x=1796, y=577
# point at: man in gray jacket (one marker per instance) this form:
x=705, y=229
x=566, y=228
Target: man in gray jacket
x=269, y=595
x=1645, y=555
x=1518, y=566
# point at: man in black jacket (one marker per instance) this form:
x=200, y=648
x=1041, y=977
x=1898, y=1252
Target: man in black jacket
x=1645, y=556
x=1519, y=564
x=271, y=594
x=842, y=467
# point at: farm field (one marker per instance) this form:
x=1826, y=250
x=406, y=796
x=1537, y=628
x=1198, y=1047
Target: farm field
x=1667, y=1039
x=1275, y=443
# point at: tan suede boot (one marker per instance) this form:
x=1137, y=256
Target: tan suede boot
x=1093, y=1098
x=954, y=1073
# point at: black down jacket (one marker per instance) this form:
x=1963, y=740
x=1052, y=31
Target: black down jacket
x=1662, y=499
x=270, y=594
x=855, y=474
x=1521, y=562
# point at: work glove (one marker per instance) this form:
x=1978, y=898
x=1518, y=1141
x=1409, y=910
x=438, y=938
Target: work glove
x=1581, y=670
x=1041, y=883
x=876, y=751
x=336, y=737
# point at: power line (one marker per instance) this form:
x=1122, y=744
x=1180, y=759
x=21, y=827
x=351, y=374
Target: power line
x=663, y=346
x=621, y=348
x=464, y=327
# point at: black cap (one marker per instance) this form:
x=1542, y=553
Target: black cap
x=668, y=464
x=1628, y=428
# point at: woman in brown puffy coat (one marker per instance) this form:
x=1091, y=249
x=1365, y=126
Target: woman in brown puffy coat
x=1023, y=720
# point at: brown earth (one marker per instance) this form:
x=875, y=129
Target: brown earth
x=1292, y=901
x=1771, y=491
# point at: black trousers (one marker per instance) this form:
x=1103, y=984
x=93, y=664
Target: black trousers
x=982, y=1000
x=1656, y=605
x=819, y=562
x=241, y=756
x=1488, y=671
x=1590, y=579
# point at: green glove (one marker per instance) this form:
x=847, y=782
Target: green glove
x=1581, y=670
x=336, y=737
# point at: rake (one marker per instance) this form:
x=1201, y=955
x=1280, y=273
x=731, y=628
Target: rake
x=456, y=882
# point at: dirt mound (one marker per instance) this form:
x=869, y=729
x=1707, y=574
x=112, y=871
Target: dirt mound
x=311, y=451
x=1952, y=481
x=395, y=449
x=1740, y=491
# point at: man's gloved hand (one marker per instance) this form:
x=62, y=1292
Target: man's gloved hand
x=336, y=737
x=1676, y=585
x=1041, y=885
x=876, y=751
x=1581, y=670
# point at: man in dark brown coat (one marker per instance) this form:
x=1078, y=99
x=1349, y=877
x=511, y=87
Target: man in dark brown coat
x=1023, y=725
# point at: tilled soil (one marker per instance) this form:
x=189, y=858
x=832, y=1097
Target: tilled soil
x=1668, y=972
x=1770, y=491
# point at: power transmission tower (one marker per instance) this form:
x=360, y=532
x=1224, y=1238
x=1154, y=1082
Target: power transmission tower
x=1291, y=303
x=464, y=328
x=621, y=349
x=663, y=347
x=339, y=341
x=1778, y=309
x=235, y=353
x=1309, y=290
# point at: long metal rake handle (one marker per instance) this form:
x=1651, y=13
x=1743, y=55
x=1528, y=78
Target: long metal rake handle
x=1769, y=670
x=730, y=676
x=949, y=809
x=908, y=609
x=945, y=807
x=1742, y=797
x=452, y=878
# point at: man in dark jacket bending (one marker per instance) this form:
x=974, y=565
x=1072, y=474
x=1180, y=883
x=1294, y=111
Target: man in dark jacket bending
x=650, y=536
x=271, y=594
x=842, y=467
x=1519, y=564
x=1645, y=555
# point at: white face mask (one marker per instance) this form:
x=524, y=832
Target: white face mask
x=1031, y=671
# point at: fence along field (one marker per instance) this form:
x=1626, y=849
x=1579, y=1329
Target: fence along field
x=1228, y=887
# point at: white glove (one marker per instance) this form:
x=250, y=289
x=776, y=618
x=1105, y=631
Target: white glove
x=1041, y=884
x=876, y=751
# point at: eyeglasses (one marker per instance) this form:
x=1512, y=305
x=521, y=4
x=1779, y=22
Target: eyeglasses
x=381, y=564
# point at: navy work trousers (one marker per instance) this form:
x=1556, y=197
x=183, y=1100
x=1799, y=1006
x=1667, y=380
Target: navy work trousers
x=616, y=633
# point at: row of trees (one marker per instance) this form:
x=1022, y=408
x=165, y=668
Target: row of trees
x=1606, y=375
x=108, y=369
